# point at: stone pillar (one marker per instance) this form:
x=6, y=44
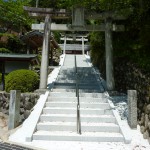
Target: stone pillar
x=14, y=109
x=132, y=108
x=83, y=46
x=45, y=54
x=64, y=45
x=109, y=55
x=37, y=3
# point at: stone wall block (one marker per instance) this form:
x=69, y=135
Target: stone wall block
x=14, y=109
x=132, y=108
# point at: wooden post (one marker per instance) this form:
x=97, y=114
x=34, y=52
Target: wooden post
x=83, y=52
x=45, y=54
x=65, y=39
x=14, y=109
x=109, y=55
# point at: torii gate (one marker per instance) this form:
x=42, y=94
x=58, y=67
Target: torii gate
x=78, y=24
x=74, y=37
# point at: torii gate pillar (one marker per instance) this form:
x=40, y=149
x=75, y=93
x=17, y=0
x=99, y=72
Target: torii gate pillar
x=109, y=55
x=45, y=54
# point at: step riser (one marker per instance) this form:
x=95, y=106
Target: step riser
x=74, y=90
x=68, y=94
x=59, y=111
x=96, y=106
x=73, y=111
x=95, y=112
x=74, y=119
x=74, y=128
x=56, y=128
x=74, y=105
x=82, y=105
x=58, y=118
x=99, y=129
x=84, y=86
x=77, y=138
x=72, y=94
x=66, y=99
x=98, y=120
x=63, y=99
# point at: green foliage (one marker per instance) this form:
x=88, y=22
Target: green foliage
x=24, y=80
x=15, y=44
x=12, y=44
x=0, y=78
x=13, y=15
x=97, y=47
x=4, y=50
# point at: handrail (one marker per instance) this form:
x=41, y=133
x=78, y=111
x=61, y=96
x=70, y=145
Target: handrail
x=78, y=101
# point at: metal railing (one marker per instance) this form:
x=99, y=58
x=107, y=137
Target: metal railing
x=78, y=100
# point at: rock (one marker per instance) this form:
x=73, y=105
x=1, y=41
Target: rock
x=146, y=135
x=26, y=114
x=27, y=98
x=142, y=119
x=2, y=123
x=147, y=99
x=142, y=129
x=22, y=110
x=148, y=109
x=21, y=118
x=149, y=125
x=146, y=121
x=28, y=105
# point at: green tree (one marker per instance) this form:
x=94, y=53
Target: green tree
x=13, y=15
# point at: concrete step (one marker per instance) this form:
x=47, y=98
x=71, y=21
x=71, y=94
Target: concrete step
x=99, y=127
x=58, y=110
x=73, y=110
x=94, y=95
x=64, y=94
x=71, y=126
x=97, y=118
x=58, y=117
x=73, y=118
x=57, y=126
x=96, y=88
x=74, y=99
x=62, y=99
x=72, y=136
x=61, y=104
x=93, y=105
x=61, y=80
x=55, y=89
x=73, y=94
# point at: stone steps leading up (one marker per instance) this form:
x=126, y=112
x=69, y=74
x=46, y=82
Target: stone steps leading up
x=58, y=121
x=85, y=136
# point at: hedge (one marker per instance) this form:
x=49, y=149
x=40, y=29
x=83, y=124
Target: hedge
x=0, y=78
x=24, y=80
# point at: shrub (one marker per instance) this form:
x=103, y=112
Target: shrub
x=4, y=50
x=0, y=78
x=24, y=80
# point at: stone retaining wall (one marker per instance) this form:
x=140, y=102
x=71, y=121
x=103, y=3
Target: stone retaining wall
x=129, y=77
x=27, y=102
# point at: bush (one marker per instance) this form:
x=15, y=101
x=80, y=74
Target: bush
x=4, y=50
x=24, y=80
x=0, y=78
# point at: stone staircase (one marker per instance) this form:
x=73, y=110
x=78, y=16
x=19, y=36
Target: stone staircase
x=58, y=122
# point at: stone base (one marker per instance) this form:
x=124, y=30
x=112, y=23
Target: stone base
x=41, y=91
